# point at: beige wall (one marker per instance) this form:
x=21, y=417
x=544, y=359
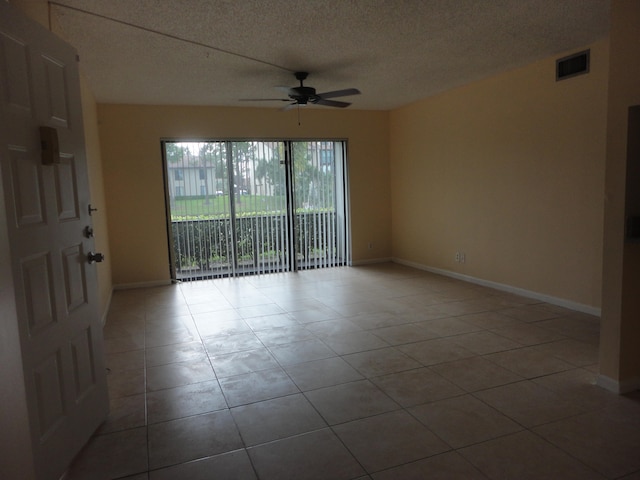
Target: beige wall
x=620, y=333
x=510, y=171
x=130, y=138
x=36, y=10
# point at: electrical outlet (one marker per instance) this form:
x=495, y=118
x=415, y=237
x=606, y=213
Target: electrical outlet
x=457, y=256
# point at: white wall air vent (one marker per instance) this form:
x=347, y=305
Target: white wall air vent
x=576, y=64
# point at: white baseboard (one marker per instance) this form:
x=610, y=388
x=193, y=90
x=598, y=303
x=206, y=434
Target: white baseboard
x=619, y=387
x=561, y=302
x=371, y=261
x=129, y=286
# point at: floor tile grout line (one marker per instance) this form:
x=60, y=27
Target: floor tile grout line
x=341, y=356
x=146, y=408
x=566, y=451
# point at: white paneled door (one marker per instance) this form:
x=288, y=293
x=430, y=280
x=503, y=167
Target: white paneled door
x=47, y=209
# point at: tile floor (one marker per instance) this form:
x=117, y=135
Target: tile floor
x=378, y=372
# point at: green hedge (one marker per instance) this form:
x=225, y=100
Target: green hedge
x=202, y=244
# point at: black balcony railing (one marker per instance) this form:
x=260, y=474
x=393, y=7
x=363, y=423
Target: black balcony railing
x=205, y=248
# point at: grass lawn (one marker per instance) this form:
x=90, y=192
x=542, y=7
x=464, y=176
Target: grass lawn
x=219, y=205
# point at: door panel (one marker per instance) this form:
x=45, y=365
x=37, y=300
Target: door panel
x=15, y=69
x=26, y=182
x=75, y=284
x=38, y=286
x=48, y=379
x=83, y=363
x=66, y=188
x=57, y=91
x=47, y=210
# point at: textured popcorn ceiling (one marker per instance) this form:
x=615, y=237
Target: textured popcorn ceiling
x=394, y=51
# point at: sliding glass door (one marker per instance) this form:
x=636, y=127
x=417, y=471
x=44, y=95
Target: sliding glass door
x=259, y=207
x=320, y=204
x=252, y=207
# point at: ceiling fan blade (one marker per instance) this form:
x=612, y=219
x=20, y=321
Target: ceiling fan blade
x=340, y=93
x=331, y=103
x=265, y=100
x=303, y=95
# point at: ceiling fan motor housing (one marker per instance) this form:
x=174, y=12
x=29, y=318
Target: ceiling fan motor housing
x=302, y=94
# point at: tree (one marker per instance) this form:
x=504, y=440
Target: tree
x=314, y=186
x=270, y=170
x=175, y=152
x=214, y=155
x=243, y=156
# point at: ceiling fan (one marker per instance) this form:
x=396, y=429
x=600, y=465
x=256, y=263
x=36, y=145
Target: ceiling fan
x=303, y=95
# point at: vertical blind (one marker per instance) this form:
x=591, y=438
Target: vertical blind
x=255, y=207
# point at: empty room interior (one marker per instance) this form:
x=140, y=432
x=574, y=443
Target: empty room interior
x=468, y=306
